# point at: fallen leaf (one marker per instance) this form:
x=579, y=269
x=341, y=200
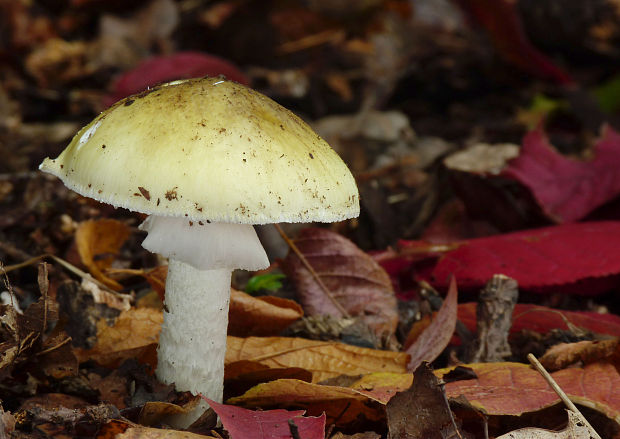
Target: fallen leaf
x=542, y=319
x=418, y=328
x=7, y=424
x=579, y=258
x=431, y=343
x=156, y=277
x=240, y=376
x=98, y=243
x=354, y=279
x=22, y=339
x=56, y=358
x=63, y=422
x=503, y=23
x=567, y=189
x=270, y=424
x=158, y=412
x=574, y=430
x=113, y=428
x=323, y=359
x=135, y=334
x=382, y=386
x=340, y=404
x=515, y=388
x=563, y=355
x=112, y=388
x=260, y=316
x=180, y=65
x=422, y=411
x=83, y=305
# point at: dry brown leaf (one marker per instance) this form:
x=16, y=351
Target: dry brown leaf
x=113, y=388
x=431, y=343
x=135, y=334
x=564, y=354
x=241, y=376
x=340, y=404
x=260, y=316
x=422, y=411
x=158, y=412
x=97, y=242
x=574, y=430
x=323, y=359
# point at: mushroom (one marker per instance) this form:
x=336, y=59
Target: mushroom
x=205, y=159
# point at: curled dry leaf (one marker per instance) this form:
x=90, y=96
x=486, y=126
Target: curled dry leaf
x=564, y=354
x=434, y=339
x=422, y=411
x=158, y=412
x=354, y=279
x=135, y=334
x=574, y=430
x=98, y=241
x=240, y=376
x=323, y=359
x=340, y=404
x=23, y=339
x=260, y=316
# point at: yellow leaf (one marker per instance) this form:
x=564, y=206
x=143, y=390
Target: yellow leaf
x=323, y=359
x=97, y=242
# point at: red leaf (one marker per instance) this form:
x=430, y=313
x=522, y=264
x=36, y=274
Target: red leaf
x=437, y=335
x=356, y=281
x=539, y=259
x=269, y=424
x=568, y=189
x=181, y=65
x=543, y=319
x=501, y=20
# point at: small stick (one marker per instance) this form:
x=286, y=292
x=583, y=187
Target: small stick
x=72, y=268
x=539, y=367
x=294, y=429
x=314, y=274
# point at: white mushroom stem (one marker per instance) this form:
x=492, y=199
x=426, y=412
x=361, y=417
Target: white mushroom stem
x=192, y=342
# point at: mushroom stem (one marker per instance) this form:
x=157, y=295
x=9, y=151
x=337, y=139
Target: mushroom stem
x=192, y=342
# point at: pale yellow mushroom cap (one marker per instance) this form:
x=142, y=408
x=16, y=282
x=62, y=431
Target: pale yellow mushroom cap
x=208, y=149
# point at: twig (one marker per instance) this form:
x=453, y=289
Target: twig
x=294, y=429
x=316, y=277
x=539, y=367
x=7, y=284
x=72, y=268
x=53, y=348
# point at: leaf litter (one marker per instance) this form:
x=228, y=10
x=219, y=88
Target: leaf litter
x=413, y=85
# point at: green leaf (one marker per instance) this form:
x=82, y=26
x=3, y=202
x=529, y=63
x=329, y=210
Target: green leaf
x=269, y=282
x=608, y=95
